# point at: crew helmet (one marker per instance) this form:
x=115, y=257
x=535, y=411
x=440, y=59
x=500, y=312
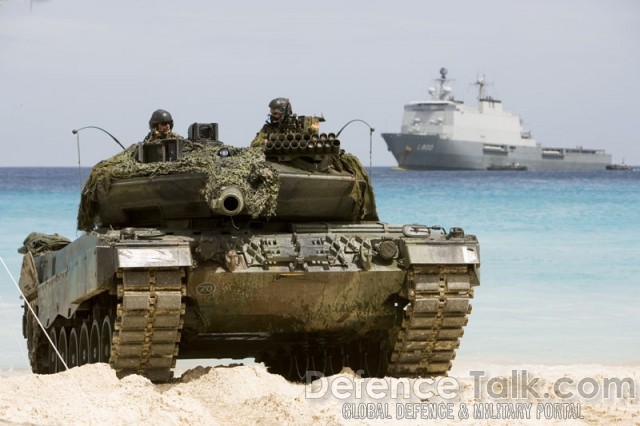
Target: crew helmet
x=160, y=116
x=281, y=104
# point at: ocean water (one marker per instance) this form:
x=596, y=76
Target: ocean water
x=560, y=274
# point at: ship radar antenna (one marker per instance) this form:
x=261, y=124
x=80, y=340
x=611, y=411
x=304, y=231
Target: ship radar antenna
x=481, y=82
x=443, y=92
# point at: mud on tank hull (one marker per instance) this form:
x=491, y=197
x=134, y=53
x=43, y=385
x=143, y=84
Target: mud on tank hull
x=296, y=295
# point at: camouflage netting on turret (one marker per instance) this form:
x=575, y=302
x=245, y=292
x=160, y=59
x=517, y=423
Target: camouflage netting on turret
x=245, y=168
x=362, y=192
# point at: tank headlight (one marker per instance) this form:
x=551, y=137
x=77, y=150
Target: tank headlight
x=224, y=152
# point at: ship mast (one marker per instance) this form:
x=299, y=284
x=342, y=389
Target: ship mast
x=481, y=83
x=442, y=92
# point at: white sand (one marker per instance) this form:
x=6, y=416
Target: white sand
x=92, y=394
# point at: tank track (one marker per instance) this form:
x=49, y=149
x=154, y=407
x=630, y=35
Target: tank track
x=433, y=322
x=149, y=317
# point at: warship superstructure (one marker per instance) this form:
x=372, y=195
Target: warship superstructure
x=445, y=134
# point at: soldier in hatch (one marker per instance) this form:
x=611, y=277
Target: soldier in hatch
x=281, y=120
x=161, y=126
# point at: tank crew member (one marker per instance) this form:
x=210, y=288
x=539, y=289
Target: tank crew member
x=281, y=120
x=161, y=126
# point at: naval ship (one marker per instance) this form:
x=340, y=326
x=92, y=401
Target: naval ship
x=444, y=134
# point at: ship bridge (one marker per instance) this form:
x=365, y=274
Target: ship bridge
x=452, y=119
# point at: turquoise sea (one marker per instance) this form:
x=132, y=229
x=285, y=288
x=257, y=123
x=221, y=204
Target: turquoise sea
x=560, y=252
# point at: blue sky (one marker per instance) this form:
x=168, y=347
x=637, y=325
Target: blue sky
x=569, y=68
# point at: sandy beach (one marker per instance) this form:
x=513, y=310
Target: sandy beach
x=474, y=393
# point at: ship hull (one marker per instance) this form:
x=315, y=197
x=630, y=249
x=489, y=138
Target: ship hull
x=431, y=152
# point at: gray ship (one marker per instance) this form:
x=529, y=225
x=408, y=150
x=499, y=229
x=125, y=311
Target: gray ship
x=444, y=134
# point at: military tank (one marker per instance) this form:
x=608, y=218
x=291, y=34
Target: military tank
x=196, y=249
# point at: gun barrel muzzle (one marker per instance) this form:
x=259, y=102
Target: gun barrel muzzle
x=230, y=202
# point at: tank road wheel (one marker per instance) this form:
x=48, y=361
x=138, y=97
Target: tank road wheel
x=106, y=337
x=72, y=354
x=53, y=356
x=94, y=343
x=83, y=347
x=63, y=348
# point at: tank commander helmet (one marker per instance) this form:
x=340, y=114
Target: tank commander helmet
x=280, y=108
x=160, y=116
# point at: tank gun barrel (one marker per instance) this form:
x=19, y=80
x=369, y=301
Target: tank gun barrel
x=230, y=202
